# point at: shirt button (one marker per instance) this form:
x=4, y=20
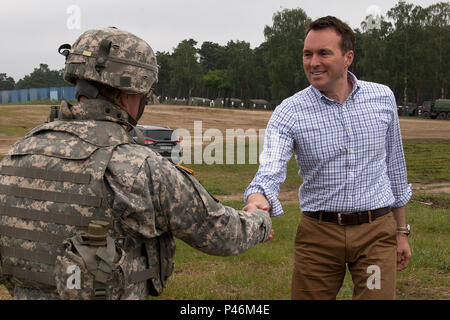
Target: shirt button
x=351, y=150
x=351, y=174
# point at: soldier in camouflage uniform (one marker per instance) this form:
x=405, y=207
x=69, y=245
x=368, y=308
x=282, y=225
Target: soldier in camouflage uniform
x=88, y=213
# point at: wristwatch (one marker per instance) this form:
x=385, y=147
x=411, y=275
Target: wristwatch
x=406, y=230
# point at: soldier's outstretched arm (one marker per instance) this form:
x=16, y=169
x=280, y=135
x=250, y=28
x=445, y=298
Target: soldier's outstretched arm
x=196, y=217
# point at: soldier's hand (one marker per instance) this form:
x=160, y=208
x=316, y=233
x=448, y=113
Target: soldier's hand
x=272, y=233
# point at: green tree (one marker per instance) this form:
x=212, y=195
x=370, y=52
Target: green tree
x=437, y=18
x=162, y=87
x=283, y=57
x=186, y=71
x=373, y=48
x=6, y=83
x=261, y=82
x=356, y=66
x=403, y=46
x=241, y=68
x=418, y=47
x=212, y=56
x=219, y=81
x=42, y=77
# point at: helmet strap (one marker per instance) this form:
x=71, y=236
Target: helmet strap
x=141, y=108
x=85, y=88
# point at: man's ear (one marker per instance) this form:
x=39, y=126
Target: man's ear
x=349, y=55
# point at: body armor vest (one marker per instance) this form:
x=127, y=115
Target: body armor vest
x=52, y=192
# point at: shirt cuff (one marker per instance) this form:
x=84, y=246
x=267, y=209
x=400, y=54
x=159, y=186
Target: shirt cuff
x=275, y=206
x=403, y=199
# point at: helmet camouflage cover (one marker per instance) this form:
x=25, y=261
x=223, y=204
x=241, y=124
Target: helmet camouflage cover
x=113, y=57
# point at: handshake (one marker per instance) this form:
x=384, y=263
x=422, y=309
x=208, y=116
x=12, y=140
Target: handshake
x=257, y=201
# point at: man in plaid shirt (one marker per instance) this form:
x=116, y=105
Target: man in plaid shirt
x=346, y=139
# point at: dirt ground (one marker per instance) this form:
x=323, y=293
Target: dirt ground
x=184, y=117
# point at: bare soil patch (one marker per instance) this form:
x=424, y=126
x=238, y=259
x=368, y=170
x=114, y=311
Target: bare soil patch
x=218, y=118
x=222, y=119
x=441, y=187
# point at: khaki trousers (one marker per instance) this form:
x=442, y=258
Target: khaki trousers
x=323, y=249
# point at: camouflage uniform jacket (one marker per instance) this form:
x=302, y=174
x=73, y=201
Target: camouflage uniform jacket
x=149, y=199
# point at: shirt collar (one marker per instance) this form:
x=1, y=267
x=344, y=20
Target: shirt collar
x=353, y=80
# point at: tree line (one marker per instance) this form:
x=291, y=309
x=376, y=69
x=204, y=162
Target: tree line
x=407, y=50
x=41, y=77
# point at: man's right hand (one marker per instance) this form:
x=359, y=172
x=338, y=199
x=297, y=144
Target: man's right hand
x=257, y=201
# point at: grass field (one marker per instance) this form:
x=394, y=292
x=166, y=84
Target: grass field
x=264, y=272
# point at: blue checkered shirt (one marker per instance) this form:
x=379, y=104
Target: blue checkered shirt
x=350, y=155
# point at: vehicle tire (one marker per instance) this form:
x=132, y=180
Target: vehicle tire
x=448, y=115
x=442, y=116
x=426, y=115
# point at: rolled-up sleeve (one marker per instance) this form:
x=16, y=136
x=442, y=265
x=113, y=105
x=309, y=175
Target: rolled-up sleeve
x=395, y=161
x=277, y=151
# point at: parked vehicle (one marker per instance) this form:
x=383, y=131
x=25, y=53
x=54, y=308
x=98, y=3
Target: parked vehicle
x=408, y=109
x=162, y=140
x=436, y=109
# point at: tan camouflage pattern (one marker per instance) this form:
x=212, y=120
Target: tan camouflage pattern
x=153, y=200
x=125, y=46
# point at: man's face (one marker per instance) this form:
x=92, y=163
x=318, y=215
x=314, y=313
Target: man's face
x=324, y=63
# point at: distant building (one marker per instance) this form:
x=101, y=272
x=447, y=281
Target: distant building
x=197, y=101
x=258, y=104
x=233, y=102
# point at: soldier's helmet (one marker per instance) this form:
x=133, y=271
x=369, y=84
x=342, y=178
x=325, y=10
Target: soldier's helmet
x=113, y=57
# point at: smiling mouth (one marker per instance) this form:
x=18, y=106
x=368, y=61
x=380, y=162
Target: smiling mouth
x=317, y=73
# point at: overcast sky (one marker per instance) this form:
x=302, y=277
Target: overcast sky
x=31, y=31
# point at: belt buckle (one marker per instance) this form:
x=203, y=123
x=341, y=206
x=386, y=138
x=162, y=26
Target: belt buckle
x=340, y=219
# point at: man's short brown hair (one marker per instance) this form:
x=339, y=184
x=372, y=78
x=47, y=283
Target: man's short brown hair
x=343, y=29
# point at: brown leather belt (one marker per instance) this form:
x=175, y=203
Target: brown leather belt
x=349, y=218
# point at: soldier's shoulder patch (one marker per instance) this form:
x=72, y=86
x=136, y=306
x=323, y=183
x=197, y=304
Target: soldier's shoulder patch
x=184, y=169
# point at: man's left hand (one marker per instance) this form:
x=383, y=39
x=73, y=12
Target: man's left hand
x=403, y=251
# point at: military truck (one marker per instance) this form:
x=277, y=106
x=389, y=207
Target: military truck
x=436, y=109
x=408, y=109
